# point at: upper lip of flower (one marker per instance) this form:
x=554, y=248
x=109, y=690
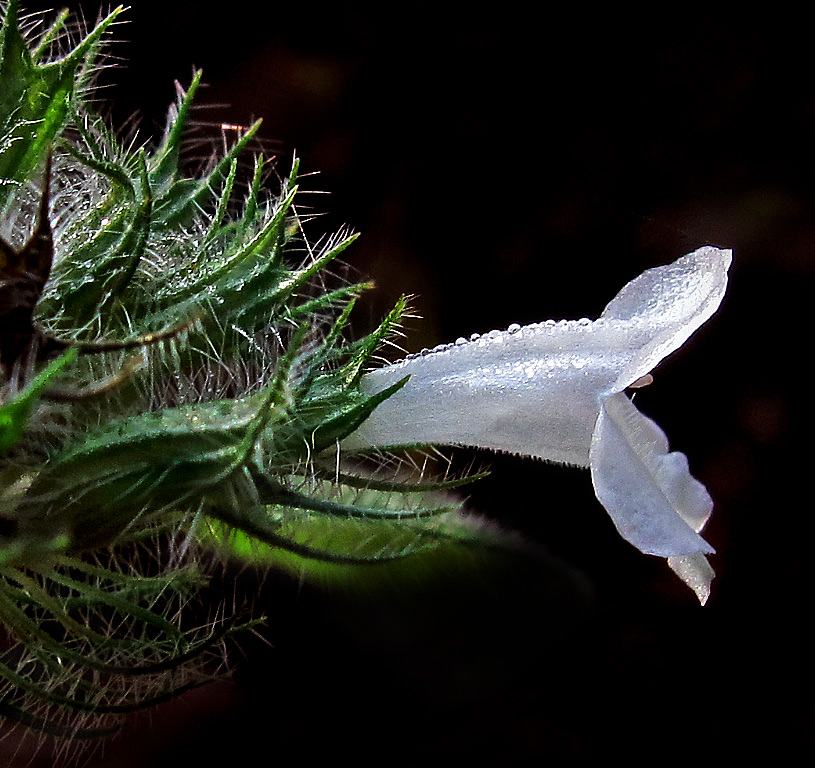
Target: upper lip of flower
x=556, y=391
x=667, y=304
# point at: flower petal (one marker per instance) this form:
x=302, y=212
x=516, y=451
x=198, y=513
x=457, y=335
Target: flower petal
x=531, y=391
x=665, y=305
x=651, y=496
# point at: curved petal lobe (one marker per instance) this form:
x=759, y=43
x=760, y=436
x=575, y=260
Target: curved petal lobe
x=649, y=493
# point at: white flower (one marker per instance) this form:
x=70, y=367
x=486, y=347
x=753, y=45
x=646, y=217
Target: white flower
x=555, y=391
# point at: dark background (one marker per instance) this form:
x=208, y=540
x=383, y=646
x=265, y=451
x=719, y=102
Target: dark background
x=513, y=165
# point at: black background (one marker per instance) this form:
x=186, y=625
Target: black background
x=513, y=165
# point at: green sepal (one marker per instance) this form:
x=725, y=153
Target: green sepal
x=98, y=272
x=36, y=99
x=367, y=346
x=183, y=198
x=16, y=413
x=330, y=418
x=165, y=161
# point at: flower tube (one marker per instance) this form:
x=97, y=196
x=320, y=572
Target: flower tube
x=556, y=391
